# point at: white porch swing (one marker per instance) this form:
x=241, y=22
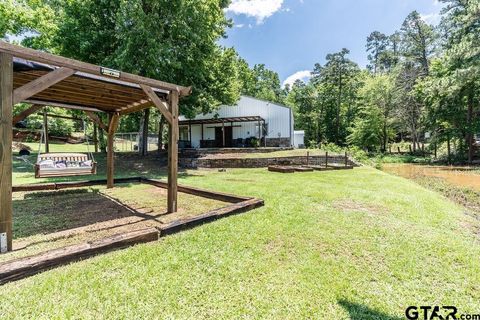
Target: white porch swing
x=62, y=164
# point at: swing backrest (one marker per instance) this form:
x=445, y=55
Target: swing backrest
x=75, y=157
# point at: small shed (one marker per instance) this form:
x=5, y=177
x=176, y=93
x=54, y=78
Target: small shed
x=299, y=139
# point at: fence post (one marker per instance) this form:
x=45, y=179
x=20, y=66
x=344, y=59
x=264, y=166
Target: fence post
x=308, y=155
x=326, y=159
x=346, y=159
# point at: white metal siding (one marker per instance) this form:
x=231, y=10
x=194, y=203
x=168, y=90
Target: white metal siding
x=278, y=118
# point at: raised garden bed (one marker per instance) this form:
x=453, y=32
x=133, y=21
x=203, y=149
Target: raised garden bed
x=56, y=223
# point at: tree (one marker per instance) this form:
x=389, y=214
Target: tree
x=260, y=82
x=154, y=38
x=302, y=99
x=452, y=91
x=372, y=128
x=340, y=81
x=418, y=41
x=377, y=45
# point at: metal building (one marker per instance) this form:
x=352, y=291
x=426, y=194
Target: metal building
x=252, y=122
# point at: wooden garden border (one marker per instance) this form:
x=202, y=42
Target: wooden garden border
x=23, y=267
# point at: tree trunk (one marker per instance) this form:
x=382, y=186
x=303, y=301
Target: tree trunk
x=103, y=145
x=469, y=135
x=449, y=151
x=143, y=141
x=385, y=138
x=340, y=89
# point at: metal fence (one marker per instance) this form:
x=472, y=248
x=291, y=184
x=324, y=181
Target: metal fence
x=128, y=142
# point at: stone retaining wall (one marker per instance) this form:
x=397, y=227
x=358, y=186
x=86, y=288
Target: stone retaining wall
x=200, y=152
x=260, y=162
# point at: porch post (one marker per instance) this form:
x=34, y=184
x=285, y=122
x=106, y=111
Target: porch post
x=190, y=132
x=223, y=133
x=173, y=153
x=265, y=137
x=259, y=133
x=6, y=116
x=202, y=136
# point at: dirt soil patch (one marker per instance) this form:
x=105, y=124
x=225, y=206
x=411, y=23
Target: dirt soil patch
x=53, y=219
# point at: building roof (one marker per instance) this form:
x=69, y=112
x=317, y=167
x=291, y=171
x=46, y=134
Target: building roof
x=221, y=120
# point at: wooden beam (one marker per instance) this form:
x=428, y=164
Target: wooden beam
x=40, y=84
x=48, y=58
x=63, y=105
x=6, y=109
x=157, y=102
x=173, y=153
x=135, y=108
x=25, y=113
x=45, y=131
x=112, y=128
x=96, y=120
x=24, y=267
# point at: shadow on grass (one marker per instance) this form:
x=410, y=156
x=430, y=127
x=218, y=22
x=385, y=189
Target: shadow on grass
x=361, y=312
x=54, y=211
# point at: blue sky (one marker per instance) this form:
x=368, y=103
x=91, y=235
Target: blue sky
x=290, y=36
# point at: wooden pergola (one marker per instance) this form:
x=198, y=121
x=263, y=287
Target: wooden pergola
x=43, y=79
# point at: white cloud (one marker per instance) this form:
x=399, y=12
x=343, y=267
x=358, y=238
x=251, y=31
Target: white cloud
x=258, y=9
x=299, y=75
x=241, y=25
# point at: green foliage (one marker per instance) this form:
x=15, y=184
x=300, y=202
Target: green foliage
x=153, y=38
x=327, y=105
x=372, y=129
x=260, y=82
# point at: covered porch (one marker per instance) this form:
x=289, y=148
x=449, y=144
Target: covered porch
x=229, y=132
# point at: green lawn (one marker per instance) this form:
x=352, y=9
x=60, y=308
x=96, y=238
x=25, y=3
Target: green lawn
x=358, y=244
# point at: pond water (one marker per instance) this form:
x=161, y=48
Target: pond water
x=467, y=177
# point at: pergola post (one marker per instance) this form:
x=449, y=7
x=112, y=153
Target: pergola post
x=45, y=131
x=112, y=128
x=173, y=152
x=6, y=116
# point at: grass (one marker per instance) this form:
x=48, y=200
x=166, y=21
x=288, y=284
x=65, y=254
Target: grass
x=358, y=244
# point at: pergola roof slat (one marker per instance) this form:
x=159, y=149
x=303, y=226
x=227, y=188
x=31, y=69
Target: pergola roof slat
x=59, y=61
